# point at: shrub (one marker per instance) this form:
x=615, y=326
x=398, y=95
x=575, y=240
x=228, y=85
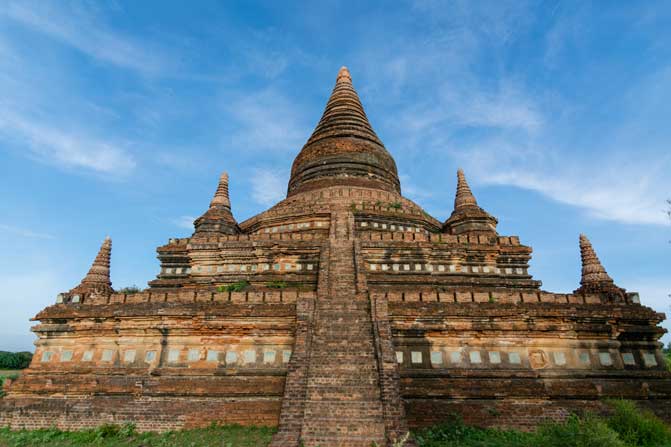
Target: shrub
x=636, y=427
x=276, y=284
x=130, y=290
x=589, y=431
x=395, y=205
x=456, y=433
x=235, y=287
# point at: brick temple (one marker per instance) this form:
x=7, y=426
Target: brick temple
x=345, y=315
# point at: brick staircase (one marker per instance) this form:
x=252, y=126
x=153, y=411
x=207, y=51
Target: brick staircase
x=342, y=404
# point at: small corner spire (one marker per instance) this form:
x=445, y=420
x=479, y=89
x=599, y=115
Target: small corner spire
x=218, y=218
x=594, y=278
x=221, y=198
x=593, y=271
x=343, y=76
x=464, y=196
x=98, y=277
x=467, y=216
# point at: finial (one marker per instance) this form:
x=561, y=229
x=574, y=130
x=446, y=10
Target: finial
x=98, y=277
x=221, y=195
x=218, y=218
x=464, y=196
x=343, y=76
x=593, y=272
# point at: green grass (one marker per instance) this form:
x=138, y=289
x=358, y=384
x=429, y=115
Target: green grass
x=627, y=426
x=126, y=436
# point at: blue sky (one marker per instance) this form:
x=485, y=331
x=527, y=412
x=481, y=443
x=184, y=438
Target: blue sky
x=117, y=118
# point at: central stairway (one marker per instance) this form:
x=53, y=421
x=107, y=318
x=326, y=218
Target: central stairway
x=342, y=403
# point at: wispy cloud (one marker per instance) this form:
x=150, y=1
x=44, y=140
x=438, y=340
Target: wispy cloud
x=185, y=222
x=618, y=189
x=72, y=149
x=78, y=27
x=412, y=190
x=268, y=186
x=24, y=232
x=267, y=121
x=495, y=121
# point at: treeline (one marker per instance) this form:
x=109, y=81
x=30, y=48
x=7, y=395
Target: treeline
x=15, y=360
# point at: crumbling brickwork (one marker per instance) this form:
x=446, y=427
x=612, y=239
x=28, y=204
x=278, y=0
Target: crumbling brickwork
x=345, y=315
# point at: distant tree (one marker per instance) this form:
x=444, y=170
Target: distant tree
x=15, y=360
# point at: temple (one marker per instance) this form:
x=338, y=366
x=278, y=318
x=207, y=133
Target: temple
x=345, y=315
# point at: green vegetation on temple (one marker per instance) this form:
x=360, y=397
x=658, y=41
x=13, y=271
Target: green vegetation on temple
x=627, y=426
x=235, y=287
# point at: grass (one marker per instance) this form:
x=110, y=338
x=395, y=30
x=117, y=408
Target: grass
x=126, y=436
x=627, y=426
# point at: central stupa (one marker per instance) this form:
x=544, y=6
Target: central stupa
x=343, y=149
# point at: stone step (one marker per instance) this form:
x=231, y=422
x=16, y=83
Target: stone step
x=318, y=370
x=340, y=380
x=339, y=441
x=321, y=393
x=345, y=410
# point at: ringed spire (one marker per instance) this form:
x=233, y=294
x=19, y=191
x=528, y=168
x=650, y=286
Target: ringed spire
x=343, y=149
x=98, y=277
x=218, y=218
x=594, y=278
x=467, y=216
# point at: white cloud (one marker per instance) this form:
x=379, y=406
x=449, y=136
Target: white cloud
x=617, y=188
x=268, y=186
x=24, y=232
x=412, y=190
x=267, y=121
x=184, y=222
x=72, y=149
x=78, y=27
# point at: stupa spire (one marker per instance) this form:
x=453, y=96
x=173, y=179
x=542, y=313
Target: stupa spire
x=594, y=278
x=221, y=198
x=218, y=218
x=467, y=216
x=464, y=196
x=98, y=277
x=593, y=272
x=343, y=149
